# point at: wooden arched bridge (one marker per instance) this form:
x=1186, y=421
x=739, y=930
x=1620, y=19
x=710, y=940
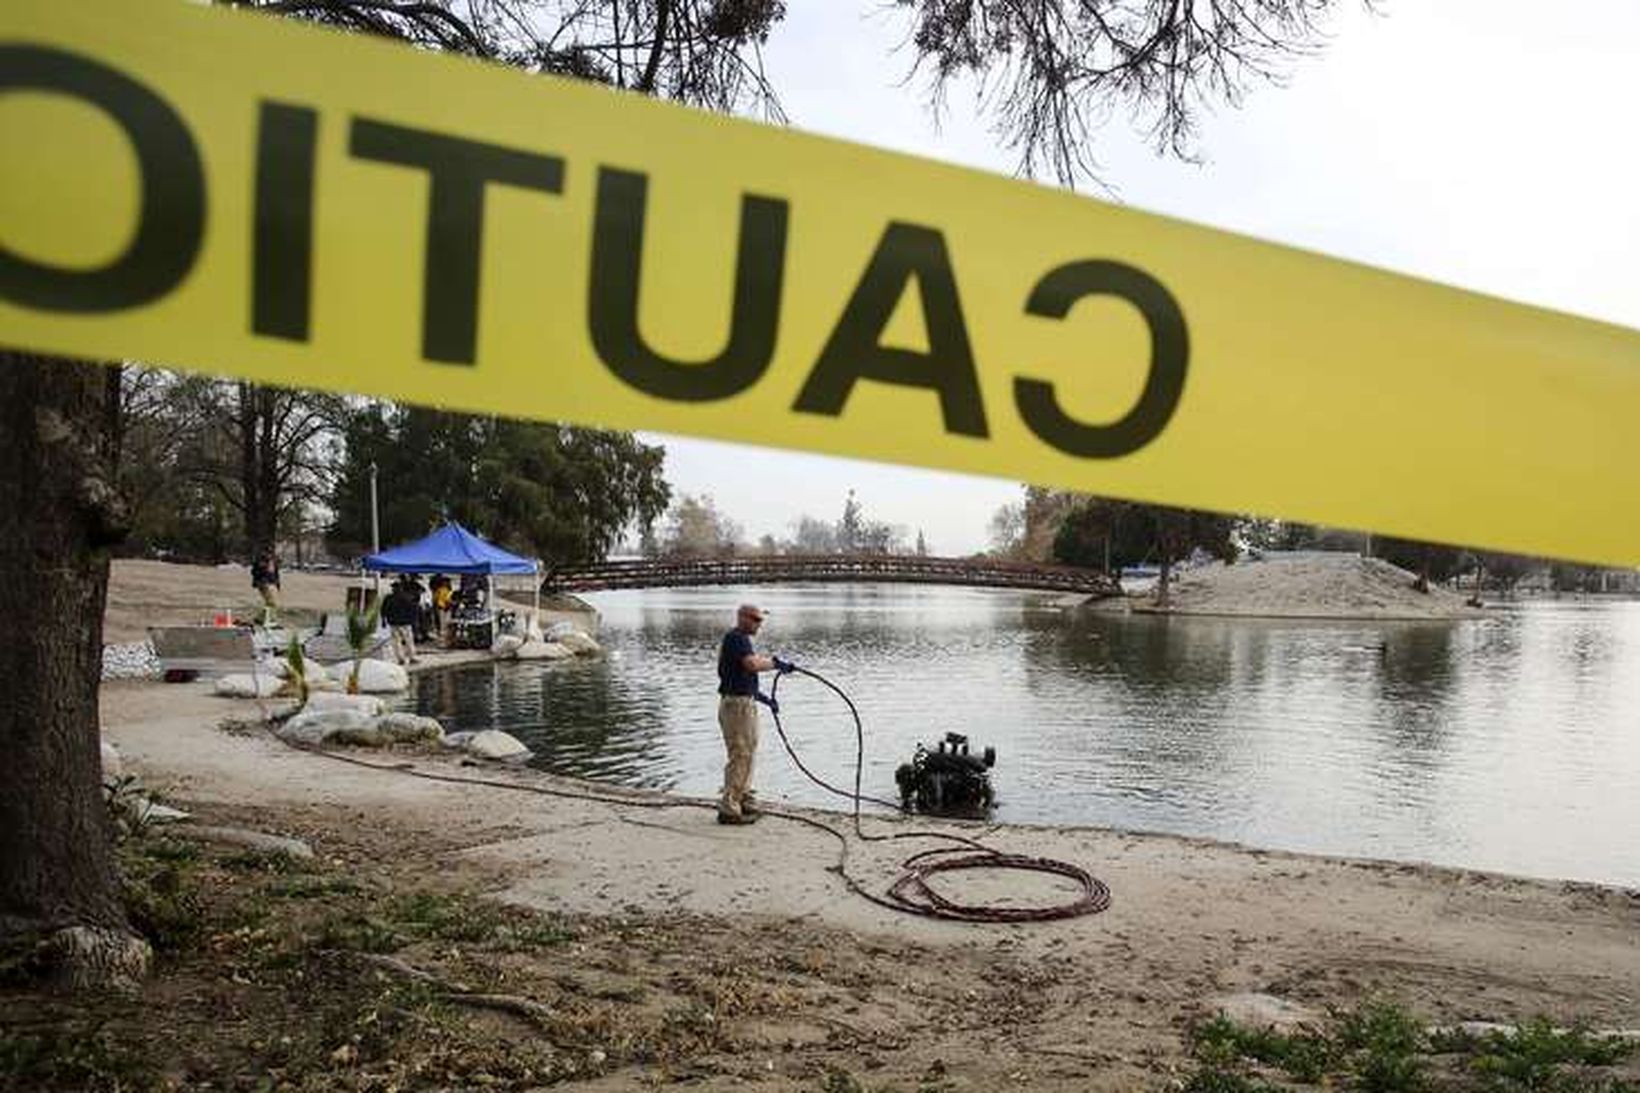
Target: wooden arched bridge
x=833, y=568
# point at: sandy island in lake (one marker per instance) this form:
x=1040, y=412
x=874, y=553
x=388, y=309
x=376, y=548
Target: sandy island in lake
x=1097, y=1002
x=1305, y=585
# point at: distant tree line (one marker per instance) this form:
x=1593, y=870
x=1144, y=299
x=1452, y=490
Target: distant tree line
x=694, y=528
x=559, y=493
x=1102, y=533
x=215, y=470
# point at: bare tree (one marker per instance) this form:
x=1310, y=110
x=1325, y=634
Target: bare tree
x=704, y=52
x=1051, y=72
x=1054, y=71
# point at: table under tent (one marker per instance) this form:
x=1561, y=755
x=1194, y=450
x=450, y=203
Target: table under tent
x=476, y=616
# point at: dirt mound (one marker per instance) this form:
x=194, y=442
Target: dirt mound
x=1311, y=584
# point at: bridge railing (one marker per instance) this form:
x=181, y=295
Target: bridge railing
x=790, y=568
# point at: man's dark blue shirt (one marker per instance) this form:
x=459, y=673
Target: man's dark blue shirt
x=733, y=678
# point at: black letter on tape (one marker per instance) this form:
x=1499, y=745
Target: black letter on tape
x=171, y=219
x=282, y=250
x=853, y=351
x=455, y=219
x=617, y=264
x=1169, y=356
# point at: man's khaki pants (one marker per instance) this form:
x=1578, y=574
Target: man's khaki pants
x=270, y=603
x=737, y=716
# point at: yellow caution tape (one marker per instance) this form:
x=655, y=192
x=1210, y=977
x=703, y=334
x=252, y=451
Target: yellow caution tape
x=245, y=195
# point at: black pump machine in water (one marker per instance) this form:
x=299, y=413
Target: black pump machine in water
x=947, y=781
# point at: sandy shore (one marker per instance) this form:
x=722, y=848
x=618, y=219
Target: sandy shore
x=1193, y=925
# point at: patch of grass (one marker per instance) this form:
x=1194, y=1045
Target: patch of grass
x=470, y=921
x=312, y=886
x=259, y=861
x=1303, y=1055
x=162, y=901
x=1213, y=1080
x=1380, y=1047
x=168, y=850
x=1535, y=1055
x=1386, y=1042
x=838, y=1080
x=361, y=933
x=59, y=1058
x=446, y=918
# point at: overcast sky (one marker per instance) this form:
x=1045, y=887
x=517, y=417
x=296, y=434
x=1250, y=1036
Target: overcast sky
x=1488, y=144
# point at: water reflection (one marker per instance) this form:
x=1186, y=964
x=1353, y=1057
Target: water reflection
x=1510, y=742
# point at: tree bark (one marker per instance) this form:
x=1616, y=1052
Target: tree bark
x=253, y=453
x=59, y=515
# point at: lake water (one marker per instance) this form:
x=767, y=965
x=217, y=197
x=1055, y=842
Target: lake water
x=1507, y=743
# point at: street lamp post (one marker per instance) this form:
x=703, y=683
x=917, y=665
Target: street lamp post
x=375, y=527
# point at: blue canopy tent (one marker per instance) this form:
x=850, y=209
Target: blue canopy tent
x=450, y=549
x=453, y=549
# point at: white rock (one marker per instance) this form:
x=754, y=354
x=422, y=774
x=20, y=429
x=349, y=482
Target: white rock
x=312, y=670
x=506, y=645
x=239, y=836
x=580, y=644
x=110, y=761
x=310, y=729
x=495, y=744
x=322, y=701
x=150, y=813
x=246, y=686
x=457, y=739
x=557, y=630
x=380, y=677
x=543, y=650
x=130, y=660
x=409, y=728
x=1259, y=1010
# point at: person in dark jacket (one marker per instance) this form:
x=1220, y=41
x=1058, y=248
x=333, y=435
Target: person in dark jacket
x=399, y=611
x=265, y=579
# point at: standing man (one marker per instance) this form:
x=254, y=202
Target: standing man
x=265, y=579
x=738, y=666
x=399, y=612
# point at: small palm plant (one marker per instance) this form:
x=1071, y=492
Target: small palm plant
x=296, y=670
x=361, y=629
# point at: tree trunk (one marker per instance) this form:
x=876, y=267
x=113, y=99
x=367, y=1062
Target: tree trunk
x=59, y=515
x=1164, y=579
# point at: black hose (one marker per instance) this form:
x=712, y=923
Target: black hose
x=859, y=745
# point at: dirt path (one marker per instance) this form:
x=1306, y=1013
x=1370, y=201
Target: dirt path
x=1191, y=924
